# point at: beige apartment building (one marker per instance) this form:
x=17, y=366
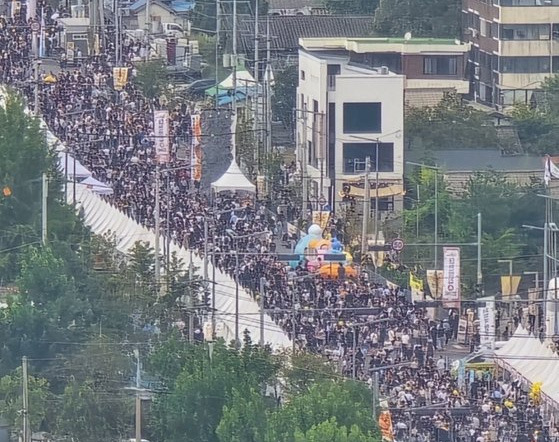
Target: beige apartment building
x=515, y=46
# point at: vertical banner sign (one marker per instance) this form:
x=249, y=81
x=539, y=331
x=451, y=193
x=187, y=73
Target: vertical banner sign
x=161, y=130
x=196, y=149
x=487, y=324
x=451, y=277
x=120, y=78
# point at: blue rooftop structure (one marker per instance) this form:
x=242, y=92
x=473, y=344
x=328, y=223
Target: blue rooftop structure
x=177, y=6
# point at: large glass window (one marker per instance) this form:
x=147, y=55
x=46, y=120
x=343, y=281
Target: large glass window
x=440, y=65
x=362, y=117
x=525, y=65
x=355, y=156
x=525, y=32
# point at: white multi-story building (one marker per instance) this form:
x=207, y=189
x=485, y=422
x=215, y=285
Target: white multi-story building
x=347, y=113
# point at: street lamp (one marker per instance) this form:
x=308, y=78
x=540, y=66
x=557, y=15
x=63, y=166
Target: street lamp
x=436, y=233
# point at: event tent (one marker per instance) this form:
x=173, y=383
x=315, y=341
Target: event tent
x=97, y=186
x=74, y=166
x=234, y=180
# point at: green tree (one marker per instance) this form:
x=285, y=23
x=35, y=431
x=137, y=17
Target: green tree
x=347, y=402
x=90, y=414
x=329, y=431
x=11, y=401
x=425, y=18
x=285, y=91
x=244, y=419
x=305, y=370
x=151, y=78
x=355, y=7
x=449, y=124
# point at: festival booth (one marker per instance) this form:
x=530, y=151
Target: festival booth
x=535, y=364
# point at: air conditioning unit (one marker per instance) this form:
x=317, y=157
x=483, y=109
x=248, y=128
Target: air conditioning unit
x=475, y=33
x=125, y=12
x=477, y=71
x=226, y=60
x=384, y=70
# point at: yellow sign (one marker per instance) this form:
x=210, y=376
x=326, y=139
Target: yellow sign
x=435, y=282
x=321, y=218
x=416, y=286
x=120, y=78
x=509, y=285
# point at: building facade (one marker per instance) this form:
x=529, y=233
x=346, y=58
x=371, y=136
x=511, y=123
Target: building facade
x=432, y=67
x=347, y=113
x=515, y=46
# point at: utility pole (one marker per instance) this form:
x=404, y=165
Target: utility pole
x=44, y=208
x=546, y=275
x=268, y=78
x=157, y=268
x=190, y=301
x=25, y=411
x=436, y=239
x=479, y=274
x=262, y=306
x=36, y=110
x=376, y=191
x=206, y=250
x=256, y=119
x=138, y=397
x=237, y=341
x=303, y=160
x=375, y=394
x=366, y=208
x=217, y=46
x=353, y=356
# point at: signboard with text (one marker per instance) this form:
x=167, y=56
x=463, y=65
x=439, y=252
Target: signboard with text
x=451, y=277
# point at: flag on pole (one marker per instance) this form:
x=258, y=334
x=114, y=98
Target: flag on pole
x=42, y=35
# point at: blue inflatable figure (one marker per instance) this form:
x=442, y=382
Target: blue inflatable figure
x=314, y=232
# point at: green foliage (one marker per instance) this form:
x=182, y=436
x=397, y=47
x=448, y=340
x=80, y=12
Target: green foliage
x=355, y=7
x=329, y=431
x=449, y=124
x=426, y=18
x=347, y=402
x=504, y=207
x=285, y=90
x=151, y=78
x=11, y=402
x=305, y=370
x=244, y=418
x=88, y=414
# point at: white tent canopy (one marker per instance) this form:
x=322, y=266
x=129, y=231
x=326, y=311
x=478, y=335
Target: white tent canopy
x=74, y=166
x=244, y=79
x=97, y=186
x=233, y=179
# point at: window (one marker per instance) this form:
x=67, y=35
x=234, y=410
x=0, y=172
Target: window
x=440, y=65
x=355, y=156
x=362, y=117
x=302, y=75
x=529, y=2
x=525, y=65
x=525, y=32
x=333, y=70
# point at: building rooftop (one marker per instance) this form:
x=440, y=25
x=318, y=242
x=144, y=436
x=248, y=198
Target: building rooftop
x=286, y=30
x=473, y=160
x=294, y=4
x=176, y=6
x=376, y=44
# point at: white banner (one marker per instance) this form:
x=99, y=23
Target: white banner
x=451, y=277
x=161, y=130
x=487, y=324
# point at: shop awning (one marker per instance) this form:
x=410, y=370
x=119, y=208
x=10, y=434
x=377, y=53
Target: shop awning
x=382, y=192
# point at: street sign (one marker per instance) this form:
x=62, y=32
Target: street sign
x=397, y=245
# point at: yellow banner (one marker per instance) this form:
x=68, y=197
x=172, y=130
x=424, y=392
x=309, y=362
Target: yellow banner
x=120, y=78
x=416, y=286
x=509, y=285
x=321, y=218
x=435, y=281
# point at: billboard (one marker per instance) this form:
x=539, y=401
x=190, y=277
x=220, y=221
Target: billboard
x=451, y=277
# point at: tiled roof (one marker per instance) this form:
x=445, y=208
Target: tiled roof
x=286, y=30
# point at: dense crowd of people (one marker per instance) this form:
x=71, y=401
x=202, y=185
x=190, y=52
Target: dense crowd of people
x=370, y=328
